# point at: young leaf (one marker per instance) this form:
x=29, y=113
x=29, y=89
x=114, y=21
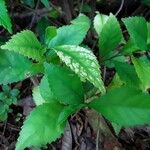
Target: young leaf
x=4, y=17
x=41, y=126
x=143, y=71
x=65, y=85
x=127, y=74
x=27, y=44
x=45, y=90
x=41, y=26
x=137, y=28
x=82, y=62
x=38, y=99
x=124, y=106
x=72, y=34
x=99, y=22
x=50, y=33
x=109, y=37
x=15, y=67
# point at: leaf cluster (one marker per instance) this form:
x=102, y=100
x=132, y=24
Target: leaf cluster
x=71, y=75
x=7, y=98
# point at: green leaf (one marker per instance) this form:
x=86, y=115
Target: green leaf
x=50, y=33
x=4, y=17
x=115, y=83
x=27, y=44
x=82, y=20
x=129, y=47
x=86, y=8
x=64, y=84
x=41, y=26
x=45, y=90
x=3, y=111
x=30, y=3
x=119, y=58
x=117, y=128
x=143, y=71
x=15, y=67
x=38, y=99
x=45, y=3
x=36, y=148
x=99, y=22
x=148, y=37
x=146, y=2
x=109, y=37
x=83, y=62
x=148, y=46
x=137, y=28
x=67, y=111
x=124, y=106
x=127, y=74
x=72, y=34
x=41, y=126
x=52, y=57
x=54, y=14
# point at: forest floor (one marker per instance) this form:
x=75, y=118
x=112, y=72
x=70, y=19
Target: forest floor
x=80, y=133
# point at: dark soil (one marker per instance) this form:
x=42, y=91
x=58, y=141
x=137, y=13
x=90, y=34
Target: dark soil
x=80, y=134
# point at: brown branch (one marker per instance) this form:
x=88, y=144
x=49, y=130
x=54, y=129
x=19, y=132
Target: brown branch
x=38, y=12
